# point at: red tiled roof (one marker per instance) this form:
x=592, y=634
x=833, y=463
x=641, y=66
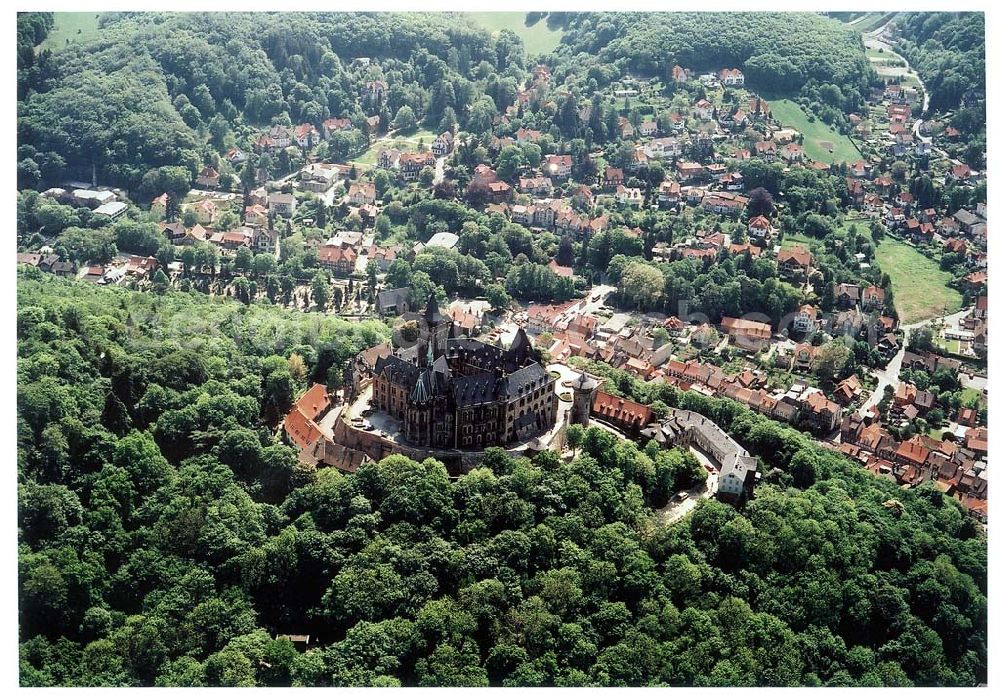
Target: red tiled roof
x=300, y=429
x=913, y=451
x=314, y=401
x=797, y=254
x=621, y=410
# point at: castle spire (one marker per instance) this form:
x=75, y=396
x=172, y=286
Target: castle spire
x=432, y=311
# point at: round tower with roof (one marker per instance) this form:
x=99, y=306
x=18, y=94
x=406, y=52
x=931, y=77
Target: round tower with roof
x=584, y=388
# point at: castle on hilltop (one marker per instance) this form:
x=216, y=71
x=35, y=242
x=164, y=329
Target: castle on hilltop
x=456, y=392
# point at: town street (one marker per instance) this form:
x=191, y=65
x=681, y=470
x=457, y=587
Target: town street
x=889, y=376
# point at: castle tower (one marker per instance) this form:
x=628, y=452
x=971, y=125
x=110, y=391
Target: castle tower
x=438, y=327
x=583, y=398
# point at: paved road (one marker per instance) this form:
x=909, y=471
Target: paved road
x=674, y=511
x=439, y=170
x=890, y=375
x=874, y=40
x=597, y=296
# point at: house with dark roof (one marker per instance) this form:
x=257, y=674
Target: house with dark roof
x=393, y=301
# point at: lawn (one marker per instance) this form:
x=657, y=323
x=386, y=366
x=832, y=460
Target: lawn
x=404, y=143
x=971, y=394
x=919, y=286
x=863, y=225
x=537, y=38
x=821, y=142
x=812, y=244
x=952, y=346
x=71, y=28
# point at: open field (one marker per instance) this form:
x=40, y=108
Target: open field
x=873, y=20
x=537, y=38
x=821, y=142
x=889, y=64
x=71, y=28
x=919, y=286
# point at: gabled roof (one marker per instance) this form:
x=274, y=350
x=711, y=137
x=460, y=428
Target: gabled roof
x=797, y=254
x=621, y=409
x=313, y=401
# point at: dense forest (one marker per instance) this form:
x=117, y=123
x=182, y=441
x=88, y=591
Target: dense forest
x=166, y=537
x=778, y=51
x=948, y=49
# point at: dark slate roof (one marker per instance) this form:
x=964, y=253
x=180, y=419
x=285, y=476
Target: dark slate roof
x=524, y=379
x=397, y=367
x=475, y=389
x=432, y=315
x=411, y=354
x=440, y=365
x=585, y=382
x=520, y=340
x=473, y=348
x=393, y=297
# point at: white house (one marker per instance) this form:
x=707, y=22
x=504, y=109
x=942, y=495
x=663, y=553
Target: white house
x=805, y=319
x=630, y=196
x=282, y=204
x=731, y=77
x=442, y=144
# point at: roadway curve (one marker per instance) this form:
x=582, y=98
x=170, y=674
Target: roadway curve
x=874, y=40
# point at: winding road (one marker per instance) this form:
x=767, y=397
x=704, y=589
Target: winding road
x=874, y=40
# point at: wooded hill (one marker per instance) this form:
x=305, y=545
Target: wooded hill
x=778, y=51
x=948, y=49
x=166, y=537
x=155, y=87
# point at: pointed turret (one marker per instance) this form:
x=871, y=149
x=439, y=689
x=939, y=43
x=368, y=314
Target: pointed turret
x=520, y=342
x=433, y=314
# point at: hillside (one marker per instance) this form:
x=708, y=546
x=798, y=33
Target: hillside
x=948, y=50
x=154, y=89
x=166, y=537
x=820, y=142
x=778, y=51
